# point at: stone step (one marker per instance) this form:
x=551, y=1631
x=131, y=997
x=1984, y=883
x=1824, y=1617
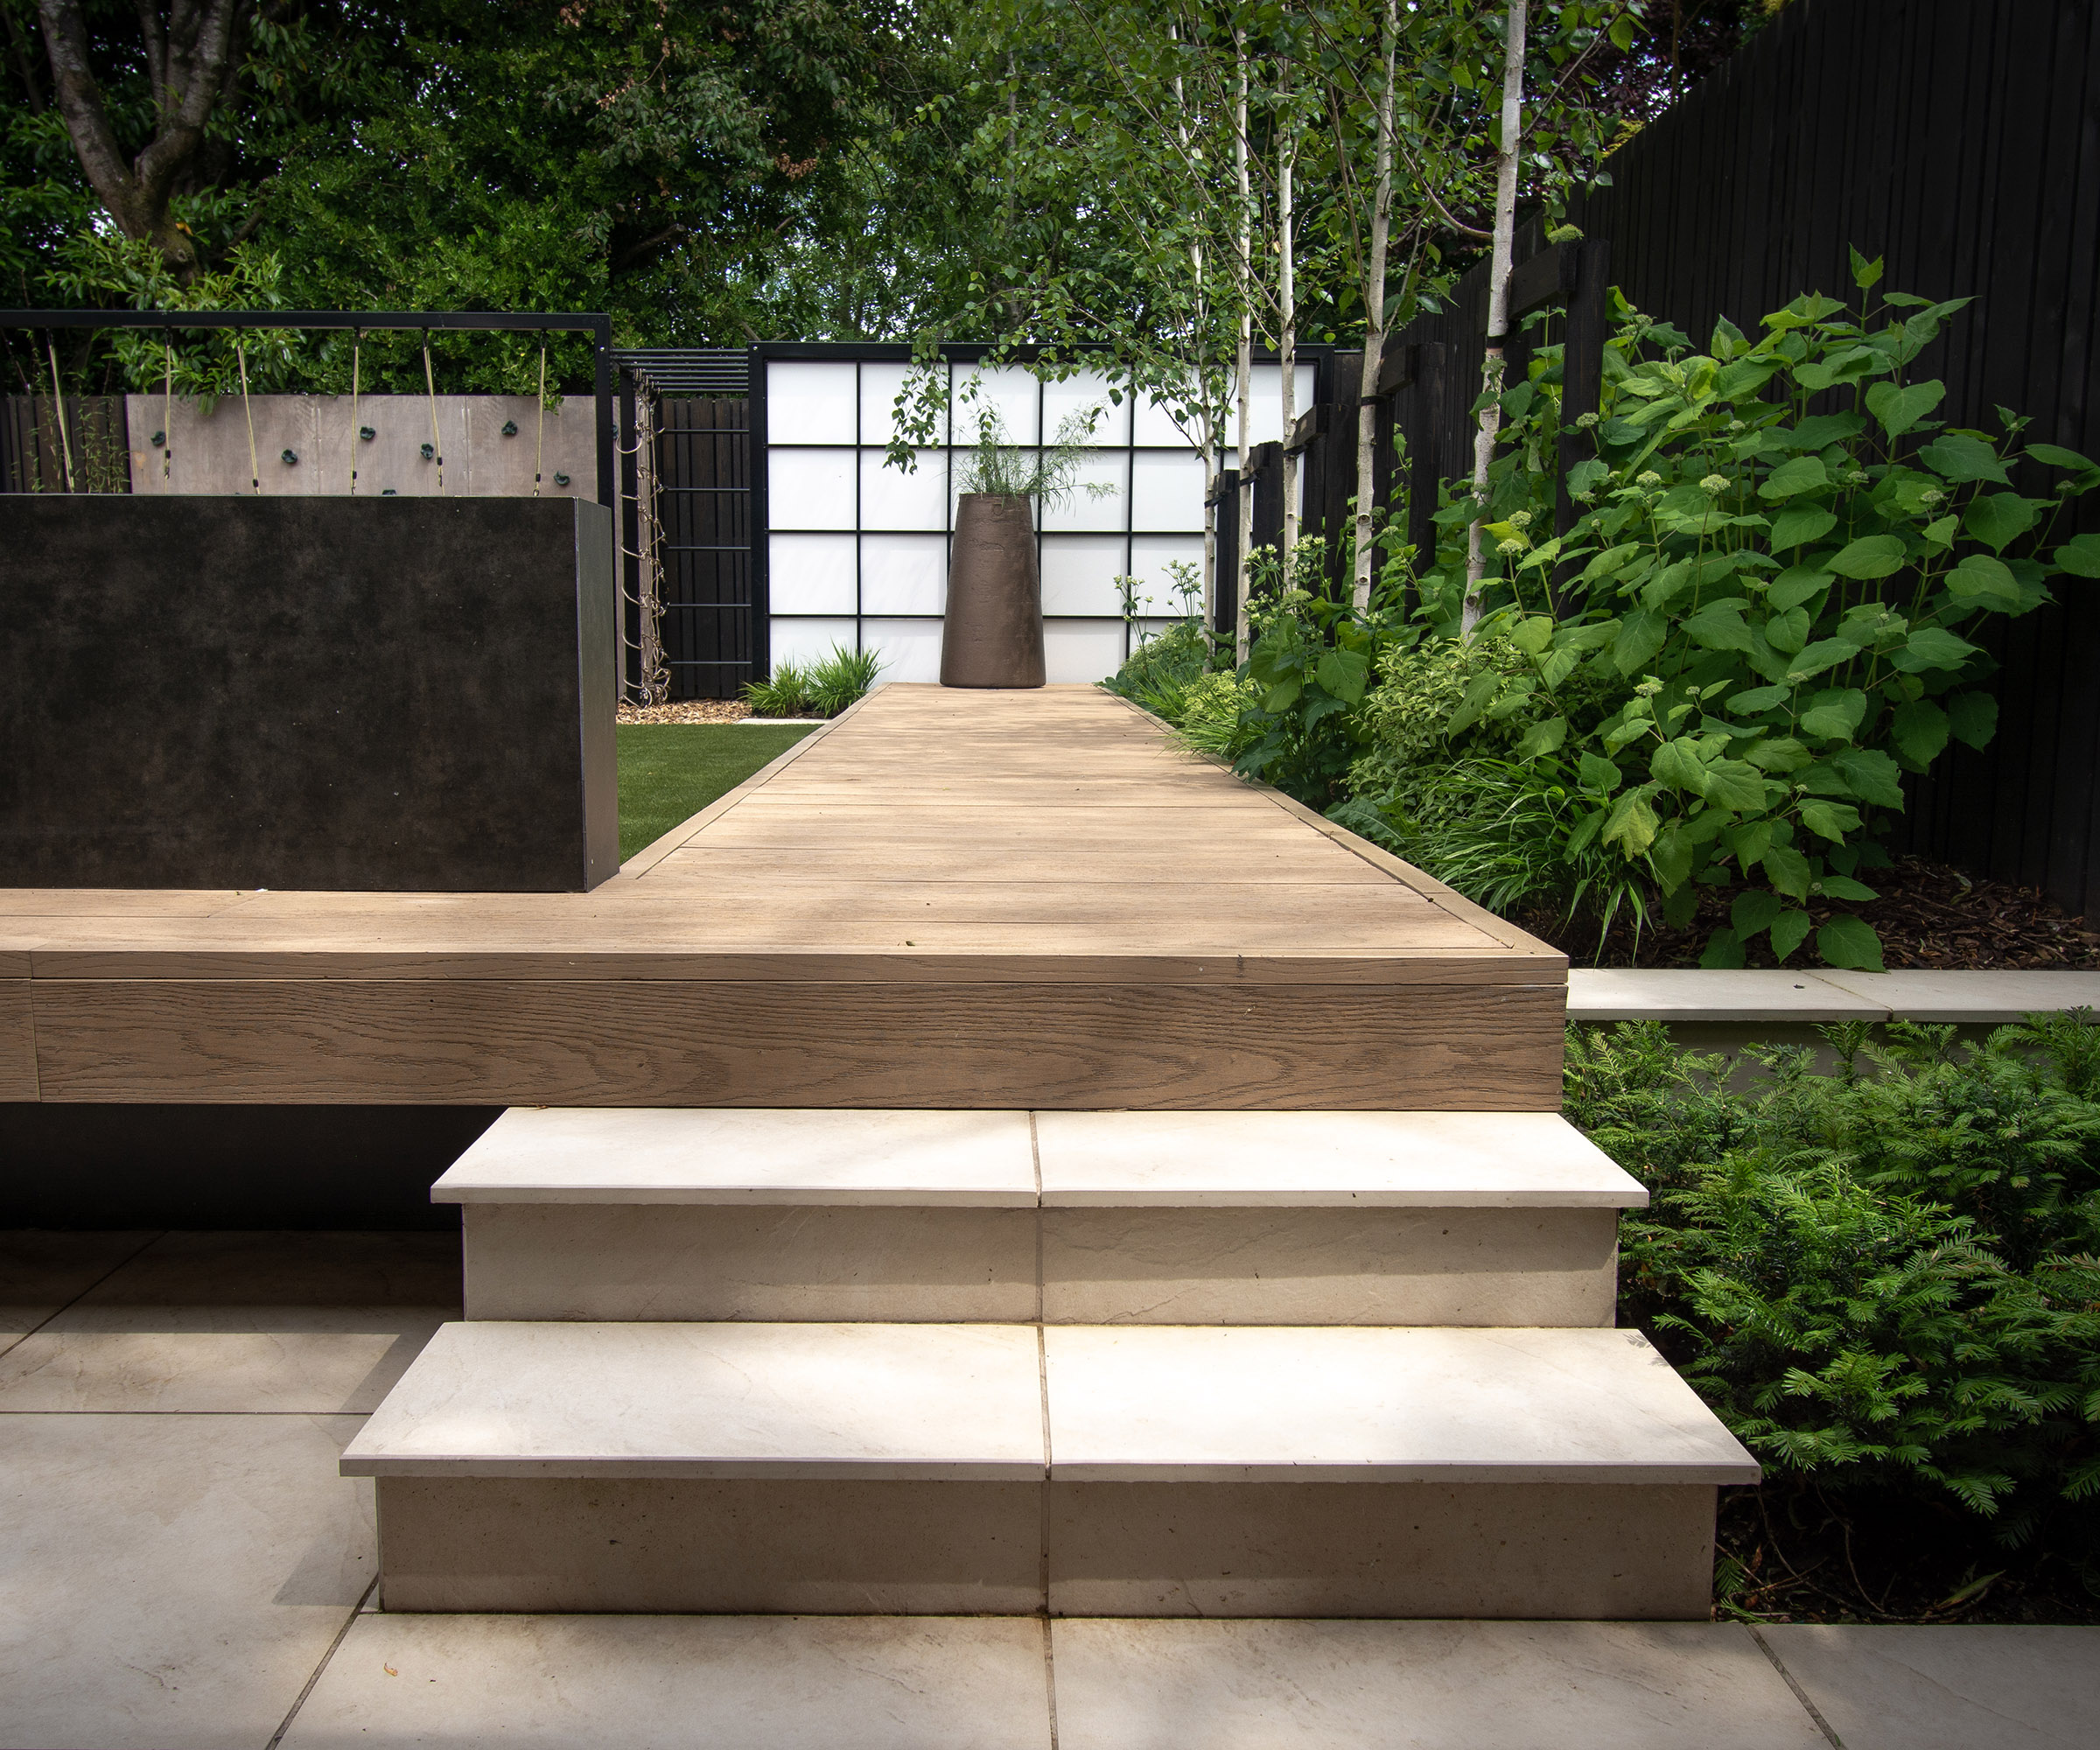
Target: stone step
x=1298, y=1218
x=997, y=1468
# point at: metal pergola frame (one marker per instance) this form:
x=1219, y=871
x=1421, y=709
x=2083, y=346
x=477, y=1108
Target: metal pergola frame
x=598, y=324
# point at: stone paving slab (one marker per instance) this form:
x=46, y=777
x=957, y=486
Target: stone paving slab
x=696, y=1683
x=1957, y=1687
x=42, y=1272
x=311, y=1324
x=1282, y=1685
x=171, y=1581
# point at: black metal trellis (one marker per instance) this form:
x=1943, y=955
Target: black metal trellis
x=598, y=325
x=699, y=512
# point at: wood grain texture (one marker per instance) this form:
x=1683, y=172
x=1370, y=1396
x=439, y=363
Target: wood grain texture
x=1037, y=900
x=651, y=1042
x=17, y=1041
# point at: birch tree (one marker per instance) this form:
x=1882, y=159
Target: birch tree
x=1374, y=306
x=1509, y=143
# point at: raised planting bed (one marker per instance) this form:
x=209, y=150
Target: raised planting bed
x=1928, y=915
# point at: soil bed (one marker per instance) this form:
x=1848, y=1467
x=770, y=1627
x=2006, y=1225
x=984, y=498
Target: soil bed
x=1808, y=1556
x=1928, y=915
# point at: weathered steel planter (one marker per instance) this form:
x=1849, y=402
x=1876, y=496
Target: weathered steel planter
x=993, y=634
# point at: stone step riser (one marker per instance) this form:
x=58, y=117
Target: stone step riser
x=1159, y=1265
x=1564, y=1550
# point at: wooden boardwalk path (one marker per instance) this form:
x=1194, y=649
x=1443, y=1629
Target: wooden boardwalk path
x=944, y=899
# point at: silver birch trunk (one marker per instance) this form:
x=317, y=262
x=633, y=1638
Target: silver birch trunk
x=1498, y=310
x=1287, y=326
x=1244, y=361
x=1373, y=321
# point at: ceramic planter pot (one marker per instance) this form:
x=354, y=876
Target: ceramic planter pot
x=993, y=633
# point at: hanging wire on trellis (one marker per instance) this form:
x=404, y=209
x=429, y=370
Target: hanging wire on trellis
x=254, y=473
x=58, y=405
x=646, y=598
x=429, y=384
x=167, y=413
x=539, y=437
x=356, y=339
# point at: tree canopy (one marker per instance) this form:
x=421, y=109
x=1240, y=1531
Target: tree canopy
x=1021, y=170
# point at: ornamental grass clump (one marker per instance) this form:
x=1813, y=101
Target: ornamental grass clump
x=1782, y=607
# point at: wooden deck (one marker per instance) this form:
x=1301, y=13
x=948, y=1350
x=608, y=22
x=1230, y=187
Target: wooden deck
x=944, y=899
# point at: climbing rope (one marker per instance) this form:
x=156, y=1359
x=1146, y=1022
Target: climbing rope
x=57, y=402
x=429, y=384
x=254, y=473
x=355, y=338
x=167, y=415
x=539, y=437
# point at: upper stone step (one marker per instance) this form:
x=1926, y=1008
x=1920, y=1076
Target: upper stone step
x=1232, y=1218
x=1019, y=1160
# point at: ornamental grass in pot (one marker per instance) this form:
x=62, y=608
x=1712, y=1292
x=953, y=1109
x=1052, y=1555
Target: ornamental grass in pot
x=992, y=635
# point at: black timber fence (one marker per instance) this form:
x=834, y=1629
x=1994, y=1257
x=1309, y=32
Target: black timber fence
x=1959, y=140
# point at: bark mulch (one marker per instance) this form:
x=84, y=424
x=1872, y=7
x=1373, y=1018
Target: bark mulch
x=1928, y=915
x=687, y=710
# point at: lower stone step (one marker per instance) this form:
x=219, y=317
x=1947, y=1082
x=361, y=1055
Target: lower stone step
x=1372, y=1218
x=1155, y=1471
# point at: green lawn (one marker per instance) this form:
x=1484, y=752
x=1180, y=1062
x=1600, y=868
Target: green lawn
x=668, y=772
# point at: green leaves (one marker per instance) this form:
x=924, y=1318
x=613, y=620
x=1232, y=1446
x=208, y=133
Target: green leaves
x=1803, y=473
x=1478, y=695
x=1631, y=824
x=1343, y=674
x=1640, y=635
x=1871, y=555
x=2000, y=518
x=1932, y=647
x=1677, y=764
x=1788, y=870
x=1542, y=738
x=1787, y=631
x=2080, y=555
x=1962, y=457
x=1834, y=715
x=1798, y=525
x=1851, y=942
x=1920, y=730
x=1872, y=776
x=1899, y=409
x=1794, y=585
x=1830, y=820
x=1789, y=930
x=1982, y=581
x=1719, y=626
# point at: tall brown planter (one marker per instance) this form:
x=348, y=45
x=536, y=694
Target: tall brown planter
x=993, y=634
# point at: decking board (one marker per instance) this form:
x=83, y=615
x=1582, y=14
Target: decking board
x=944, y=899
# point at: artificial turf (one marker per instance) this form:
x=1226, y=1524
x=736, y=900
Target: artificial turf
x=668, y=772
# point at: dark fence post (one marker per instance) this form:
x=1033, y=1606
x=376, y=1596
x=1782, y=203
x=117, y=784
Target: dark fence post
x=1426, y=451
x=1268, y=472
x=754, y=420
x=630, y=539
x=1225, y=615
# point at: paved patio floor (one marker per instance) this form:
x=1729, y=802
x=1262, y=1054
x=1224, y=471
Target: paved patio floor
x=181, y=1566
